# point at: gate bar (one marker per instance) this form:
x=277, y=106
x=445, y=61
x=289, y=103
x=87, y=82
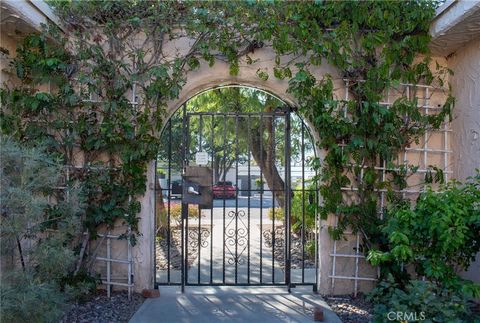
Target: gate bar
x=184, y=207
x=224, y=177
x=236, y=199
x=199, y=207
x=211, y=210
x=287, y=205
x=261, y=200
x=272, y=155
x=249, y=193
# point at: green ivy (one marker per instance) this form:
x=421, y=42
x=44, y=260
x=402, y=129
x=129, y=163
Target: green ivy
x=375, y=45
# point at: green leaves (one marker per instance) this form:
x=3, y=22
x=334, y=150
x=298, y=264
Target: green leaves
x=262, y=75
x=439, y=234
x=371, y=44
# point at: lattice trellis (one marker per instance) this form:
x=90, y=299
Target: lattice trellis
x=106, y=277
x=433, y=150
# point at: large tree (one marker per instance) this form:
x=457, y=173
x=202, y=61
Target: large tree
x=229, y=140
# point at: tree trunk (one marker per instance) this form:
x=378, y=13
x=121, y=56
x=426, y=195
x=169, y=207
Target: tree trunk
x=267, y=165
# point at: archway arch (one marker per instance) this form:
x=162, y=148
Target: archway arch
x=277, y=186
x=201, y=80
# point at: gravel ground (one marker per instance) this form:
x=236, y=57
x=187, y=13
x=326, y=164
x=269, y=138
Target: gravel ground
x=350, y=309
x=101, y=309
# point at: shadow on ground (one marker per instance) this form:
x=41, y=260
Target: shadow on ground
x=233, y=304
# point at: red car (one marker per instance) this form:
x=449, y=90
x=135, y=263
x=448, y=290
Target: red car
x=224, y=190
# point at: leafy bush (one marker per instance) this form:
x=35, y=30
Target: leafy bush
x=300, y=205
x=427, y=300
x=436, y=239
x=37, y=240
x=279, y=214
x=438, y=236
x=176, y=213
x=25, y=299
x=310, y=248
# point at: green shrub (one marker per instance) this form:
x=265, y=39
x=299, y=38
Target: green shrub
x=436, y=238
x=176, y=213
x=310, y=248
x=27, y=299
x=300, y=205
x=38, y=235
x=279, y=214
x=429, y=301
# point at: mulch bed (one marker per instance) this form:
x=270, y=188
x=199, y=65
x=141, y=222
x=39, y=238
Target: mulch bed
x=101, y=309
x=351, y=309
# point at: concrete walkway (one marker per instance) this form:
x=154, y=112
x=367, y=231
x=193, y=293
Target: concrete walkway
x=232, y=304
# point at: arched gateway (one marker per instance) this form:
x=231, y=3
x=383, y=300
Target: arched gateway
x=145, y=271
x=235, y=193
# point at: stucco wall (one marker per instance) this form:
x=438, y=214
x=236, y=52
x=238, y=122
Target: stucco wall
x=465, y=64
x=205, y=78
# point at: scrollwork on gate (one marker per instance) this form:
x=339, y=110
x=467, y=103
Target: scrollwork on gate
x=236, y=237
x=195, y=241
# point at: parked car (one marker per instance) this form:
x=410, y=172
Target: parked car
x=224, y=190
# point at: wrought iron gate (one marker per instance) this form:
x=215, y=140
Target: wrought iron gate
x=245, y=237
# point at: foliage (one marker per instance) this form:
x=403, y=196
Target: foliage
x=300, y=205
x=439, y=236
x=374, y=45
x=25, y=299
x=279, y=214
x=436, y=239
x=176, y=212
x=39, y=223
x=425, y=299
x=310, y=248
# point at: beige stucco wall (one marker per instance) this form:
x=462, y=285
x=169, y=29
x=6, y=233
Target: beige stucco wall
x=465, y=64
x=205, y=78
x=466, y=146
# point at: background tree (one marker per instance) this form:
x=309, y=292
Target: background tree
x=220, y=139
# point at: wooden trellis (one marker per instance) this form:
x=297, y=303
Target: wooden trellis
x=441, y=148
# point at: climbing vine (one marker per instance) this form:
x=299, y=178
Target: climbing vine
x=113, y=69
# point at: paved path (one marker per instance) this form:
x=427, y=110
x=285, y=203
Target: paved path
x=232, y=304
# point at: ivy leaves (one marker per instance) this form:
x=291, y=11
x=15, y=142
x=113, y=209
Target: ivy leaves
x=118, y=46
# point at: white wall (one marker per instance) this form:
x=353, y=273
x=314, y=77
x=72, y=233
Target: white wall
x=465, y=63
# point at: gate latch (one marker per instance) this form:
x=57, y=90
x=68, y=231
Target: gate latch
x=191, y=190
